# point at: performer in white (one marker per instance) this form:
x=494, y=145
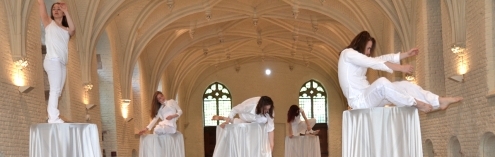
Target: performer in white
x=297, y=126
x=253, y=110
x=166, y=110
x=58, y=30
x=353, y=64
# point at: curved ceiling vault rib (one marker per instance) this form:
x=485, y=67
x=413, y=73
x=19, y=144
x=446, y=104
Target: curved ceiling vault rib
x=310, y=33
x=85, y=24
x=215, y=21
x=184, y=66
x=363, y=20
x=107, y=16
x=166, y=20
x=94, y=33
x=399, y=19
x=161, y=56
x=286, y=43
x=127, y=57
x=316, y=7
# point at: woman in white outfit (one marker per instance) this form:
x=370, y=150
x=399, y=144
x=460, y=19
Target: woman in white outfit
x=253, y=110
x=353, y=64
x=166, y=110
x=58, y=30
x=297, y=126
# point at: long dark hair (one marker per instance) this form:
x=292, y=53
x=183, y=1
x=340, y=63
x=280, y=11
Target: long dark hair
x=359, y=42
x=292, y=113
x=64, y=19
x=264, y=101
x=155, y=104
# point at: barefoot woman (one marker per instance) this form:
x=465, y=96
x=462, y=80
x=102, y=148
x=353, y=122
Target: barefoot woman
x=355, y=60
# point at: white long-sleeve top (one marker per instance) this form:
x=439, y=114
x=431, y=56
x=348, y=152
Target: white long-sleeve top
x=247, y=112
x=352, y=72
x=57, y=42
x=167, y=108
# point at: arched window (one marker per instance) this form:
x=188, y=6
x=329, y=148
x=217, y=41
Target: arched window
x=313, y=99
x=216, y=101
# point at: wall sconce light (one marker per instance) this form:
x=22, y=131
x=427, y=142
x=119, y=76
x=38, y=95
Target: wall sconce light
x=409, y=77
x=20, y=64
x=125, y=107
x=462, y=66
x=458, y=50
x=18, y=80
x=87, y=86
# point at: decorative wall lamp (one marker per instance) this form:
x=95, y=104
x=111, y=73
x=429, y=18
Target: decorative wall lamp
x=409, y=77
x=18, y=79
x=462, y=66
x=125, y=107
x=87, y=87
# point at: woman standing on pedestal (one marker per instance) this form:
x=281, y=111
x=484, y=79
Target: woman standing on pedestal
x=297, y=126
x=166, y=110
x=58, y=30
x=253, y=110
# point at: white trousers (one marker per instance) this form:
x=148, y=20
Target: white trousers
x=164, y=129
x=401, y=93
x=57, y=72
x=301, y=127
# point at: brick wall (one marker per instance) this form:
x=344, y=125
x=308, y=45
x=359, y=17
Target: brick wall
x=106, y=93
x=20, y=110
x=472, y=118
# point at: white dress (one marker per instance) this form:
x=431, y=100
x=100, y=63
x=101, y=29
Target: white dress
x=247, y=114
x=167, y=108
x=352, y=69
x=299, y=126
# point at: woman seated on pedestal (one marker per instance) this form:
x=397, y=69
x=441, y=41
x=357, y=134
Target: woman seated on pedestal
x=253, y=110
x=166, y=110
x=297, y=126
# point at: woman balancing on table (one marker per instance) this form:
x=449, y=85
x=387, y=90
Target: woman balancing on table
x=253, y=110
x=58, y=30
x=166, y=110
x=355, y=60
x=297, y=126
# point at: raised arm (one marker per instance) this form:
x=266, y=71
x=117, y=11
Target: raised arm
x=412, y=52
x=308, y=127
x=402, y=68
x=44, y=15
x=359, y=59
x=72, y=28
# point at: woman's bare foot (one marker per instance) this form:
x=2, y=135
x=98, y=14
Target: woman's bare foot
x=424, y=107
x=315, y=132
x=217, y=117
x=446, y=101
